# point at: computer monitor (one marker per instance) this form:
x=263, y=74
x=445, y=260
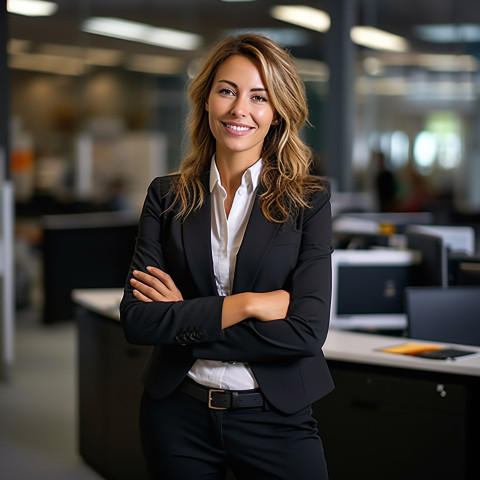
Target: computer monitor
x=456, y=238
x=368, y=288
x=433, y=267
x=447, y=315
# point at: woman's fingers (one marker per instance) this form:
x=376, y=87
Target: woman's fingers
x=155, y=286
x=146, y=291
x=166, y=281
x=150, y=281
x=140, y=296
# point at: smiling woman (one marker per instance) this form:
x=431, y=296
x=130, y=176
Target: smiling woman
x=286, y=158
x=231, y=281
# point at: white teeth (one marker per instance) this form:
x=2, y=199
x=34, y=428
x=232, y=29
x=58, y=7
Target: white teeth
x=238, y=129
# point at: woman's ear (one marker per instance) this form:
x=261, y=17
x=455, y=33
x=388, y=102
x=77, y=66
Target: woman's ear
x=206, y=106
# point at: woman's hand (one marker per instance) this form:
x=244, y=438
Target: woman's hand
x=266, y=306
x=155, y=286
x=269, y=306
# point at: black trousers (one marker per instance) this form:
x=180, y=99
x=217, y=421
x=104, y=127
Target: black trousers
x=183, y=439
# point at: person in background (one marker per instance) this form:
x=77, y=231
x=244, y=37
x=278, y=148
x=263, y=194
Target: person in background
x=385, y=184
x=230, y=281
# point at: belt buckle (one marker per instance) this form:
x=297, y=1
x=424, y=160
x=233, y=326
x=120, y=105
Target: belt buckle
x=211, y=391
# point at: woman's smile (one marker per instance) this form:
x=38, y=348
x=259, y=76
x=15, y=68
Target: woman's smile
x=237, y=128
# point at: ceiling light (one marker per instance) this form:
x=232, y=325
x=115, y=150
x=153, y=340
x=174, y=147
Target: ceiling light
x=303, y=16
x=141, y=32
x=31, y=8
x=378, y=39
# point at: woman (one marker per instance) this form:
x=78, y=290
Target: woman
x=231, y=281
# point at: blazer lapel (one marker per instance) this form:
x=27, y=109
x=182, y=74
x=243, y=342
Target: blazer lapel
x=257, y=238
x=197, y=245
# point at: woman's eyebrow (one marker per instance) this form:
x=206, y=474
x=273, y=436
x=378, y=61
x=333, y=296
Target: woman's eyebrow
x=234, y=85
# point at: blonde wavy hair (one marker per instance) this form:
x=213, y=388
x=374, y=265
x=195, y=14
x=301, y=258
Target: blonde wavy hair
x=286, y=158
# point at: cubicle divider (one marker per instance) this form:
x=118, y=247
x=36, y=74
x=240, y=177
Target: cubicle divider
x=91, y=250
x=7, y=314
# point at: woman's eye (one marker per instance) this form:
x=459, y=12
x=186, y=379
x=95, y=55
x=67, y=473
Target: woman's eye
x=227, y=91
x=259, y=98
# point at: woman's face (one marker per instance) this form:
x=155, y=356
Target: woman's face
x=239, y=109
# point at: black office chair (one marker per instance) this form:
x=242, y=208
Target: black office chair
x=449, y=315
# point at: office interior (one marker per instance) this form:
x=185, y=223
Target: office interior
x=89, y=117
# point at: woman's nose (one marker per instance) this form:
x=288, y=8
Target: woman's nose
x=239, y=108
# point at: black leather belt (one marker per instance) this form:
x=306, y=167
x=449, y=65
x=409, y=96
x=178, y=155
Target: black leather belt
x=219, y=399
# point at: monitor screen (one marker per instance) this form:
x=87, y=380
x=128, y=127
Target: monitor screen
x=369, y=287
x=439, y=314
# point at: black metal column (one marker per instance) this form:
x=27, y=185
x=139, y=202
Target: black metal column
x=340, y=102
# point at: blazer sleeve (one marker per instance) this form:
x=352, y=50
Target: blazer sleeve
x=182, y=323
x=303, y=332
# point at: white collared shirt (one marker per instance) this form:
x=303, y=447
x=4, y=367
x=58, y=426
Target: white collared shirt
x=226, y=238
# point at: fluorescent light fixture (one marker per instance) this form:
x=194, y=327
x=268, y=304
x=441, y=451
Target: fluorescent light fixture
x=31, y=8
x=449, y=33
x=303, y=16
x=378, y=39
x=141, y=32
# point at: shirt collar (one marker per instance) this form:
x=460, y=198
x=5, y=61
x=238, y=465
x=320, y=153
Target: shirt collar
x=251, y=175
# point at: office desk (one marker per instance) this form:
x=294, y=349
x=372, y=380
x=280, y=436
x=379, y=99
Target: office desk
x=390, y=416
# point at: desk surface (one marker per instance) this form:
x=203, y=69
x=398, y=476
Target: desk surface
x=340, y=345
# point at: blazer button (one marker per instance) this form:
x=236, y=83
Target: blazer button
x=180, y=337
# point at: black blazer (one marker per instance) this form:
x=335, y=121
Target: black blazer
x=285, y=355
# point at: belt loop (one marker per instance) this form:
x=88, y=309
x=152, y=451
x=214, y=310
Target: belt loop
x=234, y=399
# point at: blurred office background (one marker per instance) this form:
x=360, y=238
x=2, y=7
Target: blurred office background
x=92, y=109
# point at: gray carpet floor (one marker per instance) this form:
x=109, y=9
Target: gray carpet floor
x=38, y=416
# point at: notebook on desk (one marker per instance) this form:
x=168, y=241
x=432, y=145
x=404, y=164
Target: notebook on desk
x=439, y=314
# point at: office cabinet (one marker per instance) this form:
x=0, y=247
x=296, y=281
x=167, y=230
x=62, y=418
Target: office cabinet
x=109, y=394
x=390, y=423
